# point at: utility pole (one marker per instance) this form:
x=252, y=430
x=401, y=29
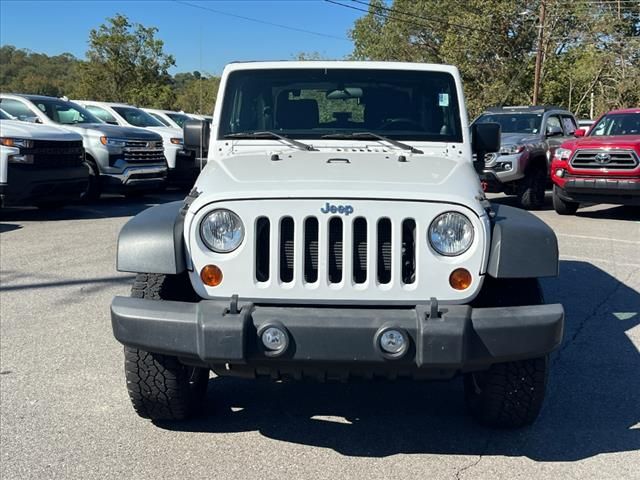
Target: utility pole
x=539, y=53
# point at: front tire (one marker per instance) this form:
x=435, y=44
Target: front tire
x=94, y=187
x=532, y=189
x=510, y=394
x=563, y=207
x=160, y=386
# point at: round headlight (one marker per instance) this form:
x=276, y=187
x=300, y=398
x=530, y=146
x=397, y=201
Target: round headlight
x=222, y=231
x=451, y=234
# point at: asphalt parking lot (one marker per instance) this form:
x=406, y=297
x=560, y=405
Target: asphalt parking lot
x=65, y=412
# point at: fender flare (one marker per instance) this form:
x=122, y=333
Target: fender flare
x=522, y=245
x=153, y=241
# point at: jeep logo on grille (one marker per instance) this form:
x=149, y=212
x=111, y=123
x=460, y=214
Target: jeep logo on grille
x=341, y=209
x=603, y=158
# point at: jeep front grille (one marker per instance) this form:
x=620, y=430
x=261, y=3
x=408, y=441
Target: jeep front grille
x=609, y=159
x=327, y=246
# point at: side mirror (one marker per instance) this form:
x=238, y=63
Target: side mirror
x=581, y=132
x=196, y=135
x=485, y=138
x=554, y=131
x=33, y=119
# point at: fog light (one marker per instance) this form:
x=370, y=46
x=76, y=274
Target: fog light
x=211, y=275
x=560, y=172
x=274, y=339
x=460, y=279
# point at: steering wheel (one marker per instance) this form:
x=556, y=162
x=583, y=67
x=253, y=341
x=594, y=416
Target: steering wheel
x=400, y=124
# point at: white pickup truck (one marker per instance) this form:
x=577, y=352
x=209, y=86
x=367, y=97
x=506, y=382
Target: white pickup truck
x=120, y=159
x=181, y=164
x=40, y=165
x=339, y=230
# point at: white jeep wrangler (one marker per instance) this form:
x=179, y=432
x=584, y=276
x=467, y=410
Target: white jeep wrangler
x=338, y=230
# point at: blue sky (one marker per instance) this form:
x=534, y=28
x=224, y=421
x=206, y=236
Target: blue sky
x=198, y=38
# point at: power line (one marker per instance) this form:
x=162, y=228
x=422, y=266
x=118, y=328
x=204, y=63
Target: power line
x=264, y=22
x=432, y=20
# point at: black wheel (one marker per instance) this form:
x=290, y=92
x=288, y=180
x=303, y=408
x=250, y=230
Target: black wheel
x=507, y=394
x=160, y=386
x=93, y=191
x=562, y=207
x=532, y=187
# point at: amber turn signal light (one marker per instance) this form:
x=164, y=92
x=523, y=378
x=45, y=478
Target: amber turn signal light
x=460, y=279
x=211, y=275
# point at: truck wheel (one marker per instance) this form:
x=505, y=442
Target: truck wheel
x=160, y=386
x=508, y=395
x=92, y=193
x=562, y=207
x=531, y=189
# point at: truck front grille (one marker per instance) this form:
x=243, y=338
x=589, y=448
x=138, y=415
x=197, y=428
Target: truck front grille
x=143, y=151
x=609, y=159
x=56, y=154
x=327, y=246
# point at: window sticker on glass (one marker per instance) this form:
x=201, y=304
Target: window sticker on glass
x=443, y=99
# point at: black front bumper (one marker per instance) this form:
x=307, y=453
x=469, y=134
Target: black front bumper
x=457, y=338
x=30, y=185
x=601, y=190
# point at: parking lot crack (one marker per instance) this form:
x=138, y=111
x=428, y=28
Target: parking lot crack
x=462, y=470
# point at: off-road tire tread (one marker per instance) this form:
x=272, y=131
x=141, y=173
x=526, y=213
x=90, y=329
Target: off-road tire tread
x=158, y=384
x=512, y=395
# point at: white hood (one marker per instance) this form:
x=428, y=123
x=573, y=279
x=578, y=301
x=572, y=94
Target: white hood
x=431, y=176
x=167, y=132
x=18, y=129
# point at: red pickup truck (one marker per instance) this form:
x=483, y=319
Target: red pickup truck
x=601, y=166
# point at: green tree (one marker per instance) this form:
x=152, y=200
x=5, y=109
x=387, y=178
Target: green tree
x=127, y=63
x=196, y=93
x=23, y=71
x=587, y=46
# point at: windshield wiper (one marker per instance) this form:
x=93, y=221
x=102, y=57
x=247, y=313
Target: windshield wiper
x=269, y=134
x=371, y=135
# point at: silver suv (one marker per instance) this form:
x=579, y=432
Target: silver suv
x=120, y=159
x=530, y=135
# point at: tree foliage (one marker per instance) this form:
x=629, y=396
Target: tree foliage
x=587, y=46
x=128, y=62
x=196, y=92
x=23, y=71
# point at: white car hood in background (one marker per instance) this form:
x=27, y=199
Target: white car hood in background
x=375, y=175
x=18, y=129
x=167, y=132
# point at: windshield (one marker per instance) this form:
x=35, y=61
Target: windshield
x=514, y=122
x=617, y=124
x=157, y=116
x=312, y=103
x=137, y=118
x=65, y=113
x=178, y=118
